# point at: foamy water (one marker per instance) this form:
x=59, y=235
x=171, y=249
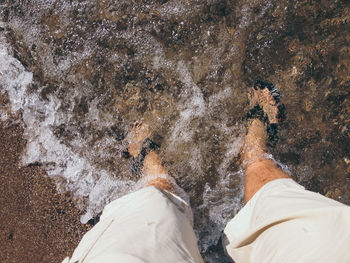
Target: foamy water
x=92, y=186
x=83, y=179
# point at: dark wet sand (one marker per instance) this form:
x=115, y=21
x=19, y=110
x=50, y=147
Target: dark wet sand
x=37, y=223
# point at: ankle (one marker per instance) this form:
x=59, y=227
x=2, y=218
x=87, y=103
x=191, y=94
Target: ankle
x=152, y=165
x=255, y=141
x=161, y=183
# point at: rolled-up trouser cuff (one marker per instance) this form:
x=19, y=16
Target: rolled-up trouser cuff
x=150, y=225
x=283, y=222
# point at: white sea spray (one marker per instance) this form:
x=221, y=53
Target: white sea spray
x=45, y=148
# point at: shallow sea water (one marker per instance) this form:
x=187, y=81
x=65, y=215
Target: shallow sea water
x=79, y=73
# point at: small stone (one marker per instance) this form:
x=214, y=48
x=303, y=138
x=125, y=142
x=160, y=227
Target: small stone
x=230, y=30
x=259, y=36
x=334, y=194
x=346, y=131
x=329, y=81
x=308, y=105
x=300, y=117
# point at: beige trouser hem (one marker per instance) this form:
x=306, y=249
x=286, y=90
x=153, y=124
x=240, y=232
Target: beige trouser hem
x=281, y=223
x=285, y=223
x=150, y=225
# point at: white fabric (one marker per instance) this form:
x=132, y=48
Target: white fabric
x=281, y=223
x=285, y=223
x=150, y=225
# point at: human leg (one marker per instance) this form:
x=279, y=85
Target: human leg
x=258, y=169
x=152, y=224
x=152, y=171
x=281, y=221
x=152, y=167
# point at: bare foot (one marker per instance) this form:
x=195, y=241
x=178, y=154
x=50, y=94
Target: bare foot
x=152, y=165
x=258, y=169
x=135, y=138
x=268, y=100
x=265, y=96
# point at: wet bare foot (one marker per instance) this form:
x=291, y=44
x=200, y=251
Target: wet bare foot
x=255, y=142
x=258, y=169
x=266, y=100
x=152, y=165
x=135, y=138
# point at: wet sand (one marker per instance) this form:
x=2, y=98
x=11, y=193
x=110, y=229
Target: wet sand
x=37, y=223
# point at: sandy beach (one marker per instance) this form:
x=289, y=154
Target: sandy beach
x=38, y=224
